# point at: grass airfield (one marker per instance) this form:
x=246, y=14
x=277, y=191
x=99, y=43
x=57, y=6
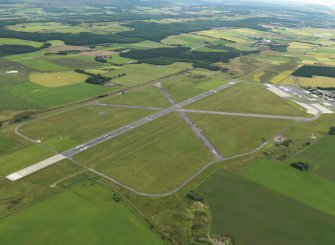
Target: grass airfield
x=237, y=135
x=131, y=159
x=249, y=98
x=65, y=130
x=164, y=157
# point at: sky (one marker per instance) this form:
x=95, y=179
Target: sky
x=323, y=2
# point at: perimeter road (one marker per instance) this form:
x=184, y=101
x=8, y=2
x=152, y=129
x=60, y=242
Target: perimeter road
x=94, y=142
x=70, y=153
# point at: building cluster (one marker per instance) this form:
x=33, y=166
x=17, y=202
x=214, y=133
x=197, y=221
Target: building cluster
x=326, y=94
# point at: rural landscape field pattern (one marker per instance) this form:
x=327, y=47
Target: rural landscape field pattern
x=156, y=122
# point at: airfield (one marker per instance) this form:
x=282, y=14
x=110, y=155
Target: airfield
x=90, y=145
x=190, y=141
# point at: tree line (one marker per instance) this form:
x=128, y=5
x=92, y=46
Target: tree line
x=98, y=79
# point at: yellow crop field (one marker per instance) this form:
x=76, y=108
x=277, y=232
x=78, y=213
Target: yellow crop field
x=57, y=79
x=247, y=31
x=326, y=61
x=225, y=34
x=308, y=60
x=280, y=77
x=299, y=47
x=288, y=81
x=317, y=81
x=257, y=77
x=323, y=55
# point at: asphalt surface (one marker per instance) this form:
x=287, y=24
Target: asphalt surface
x=180, y=186
x=127, y=106
x=217, y=156
x=36, y=167
x=94, y=142
x=115, y=133
x=299, y=119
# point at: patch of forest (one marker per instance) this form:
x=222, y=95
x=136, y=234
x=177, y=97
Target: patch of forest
x=166, y=56
x=310, y=71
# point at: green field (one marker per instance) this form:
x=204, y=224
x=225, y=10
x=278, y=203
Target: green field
x=248, y=98
x=141, y=73
x=116, y=59
x=147, y=44
x=76, y=61
x=43, y=97
x=32, y=187
x=20, y=159
x=192, y=40
x=74, y=127
x=307, y=188
x=227, y=34
x=15, y=41
x=252, y=214
x=298, y=47
x=154, y=158
x=147, y=96
x=317, y=128
x=44, y=27
x=172, y=190
x=57, y=79
x=9, y=142
x=321, y=156
x=37, y=62
x=83, y=214
x=98, y=28
x=234, y=135
x=187, y=86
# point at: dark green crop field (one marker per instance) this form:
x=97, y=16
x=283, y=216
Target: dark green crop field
x=310, y=71
x=253, y=214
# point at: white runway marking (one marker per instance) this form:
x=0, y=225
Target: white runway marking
x=36, y=167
